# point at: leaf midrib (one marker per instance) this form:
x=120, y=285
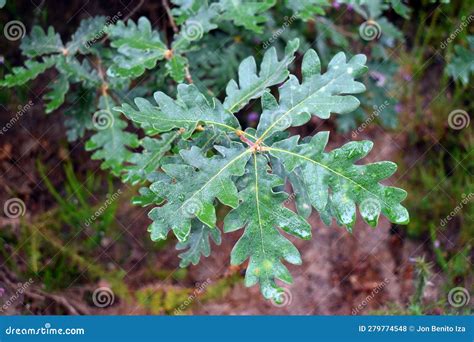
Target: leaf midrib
x=265, y=133
x=284, y=64
x=213, y=177
x=257, y=200
x=159, y=46
x=329, y=169
x=208, y=122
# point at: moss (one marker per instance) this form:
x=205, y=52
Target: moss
x=220, y=288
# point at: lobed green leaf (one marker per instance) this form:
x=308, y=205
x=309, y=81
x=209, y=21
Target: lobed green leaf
x=21, y=75
x=186, y=112
x=198, y=243
x=252, y=85
x=191, y=188
x=261, y=213
x=334, y=184
x=110, y=142
x=318, y=94
x=139, y=48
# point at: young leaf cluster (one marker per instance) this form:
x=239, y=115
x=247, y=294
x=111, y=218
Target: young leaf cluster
x=216, y=162
x=97, y=68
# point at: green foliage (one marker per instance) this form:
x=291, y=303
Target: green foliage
x=194, y=155
x=190, y=109
x=239, y=171
x=210, y=73
x=21, y=75
x=176, y=68
x=191, y=192
x=55, y=97
x=246, y=13
x=401, y=9
x=252, y=85
x=41, y=43
x=138, y=47
x=462, y=64
x=111, y=141
x=142, y=165
x=198, y=243
x=261, y=214
x=306, y=9
x=318, y=94
x=349, y=184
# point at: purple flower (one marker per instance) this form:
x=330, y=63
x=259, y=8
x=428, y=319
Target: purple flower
x=336, y=4
x=379, y=78
x=252, y=116
x=398, y=107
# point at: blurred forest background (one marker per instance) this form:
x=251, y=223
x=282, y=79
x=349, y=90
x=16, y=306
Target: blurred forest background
x=417, y=110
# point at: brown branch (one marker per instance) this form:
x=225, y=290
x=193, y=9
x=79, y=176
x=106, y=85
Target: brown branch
x=170, y=16
x=243, y=138
x=188, y=74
